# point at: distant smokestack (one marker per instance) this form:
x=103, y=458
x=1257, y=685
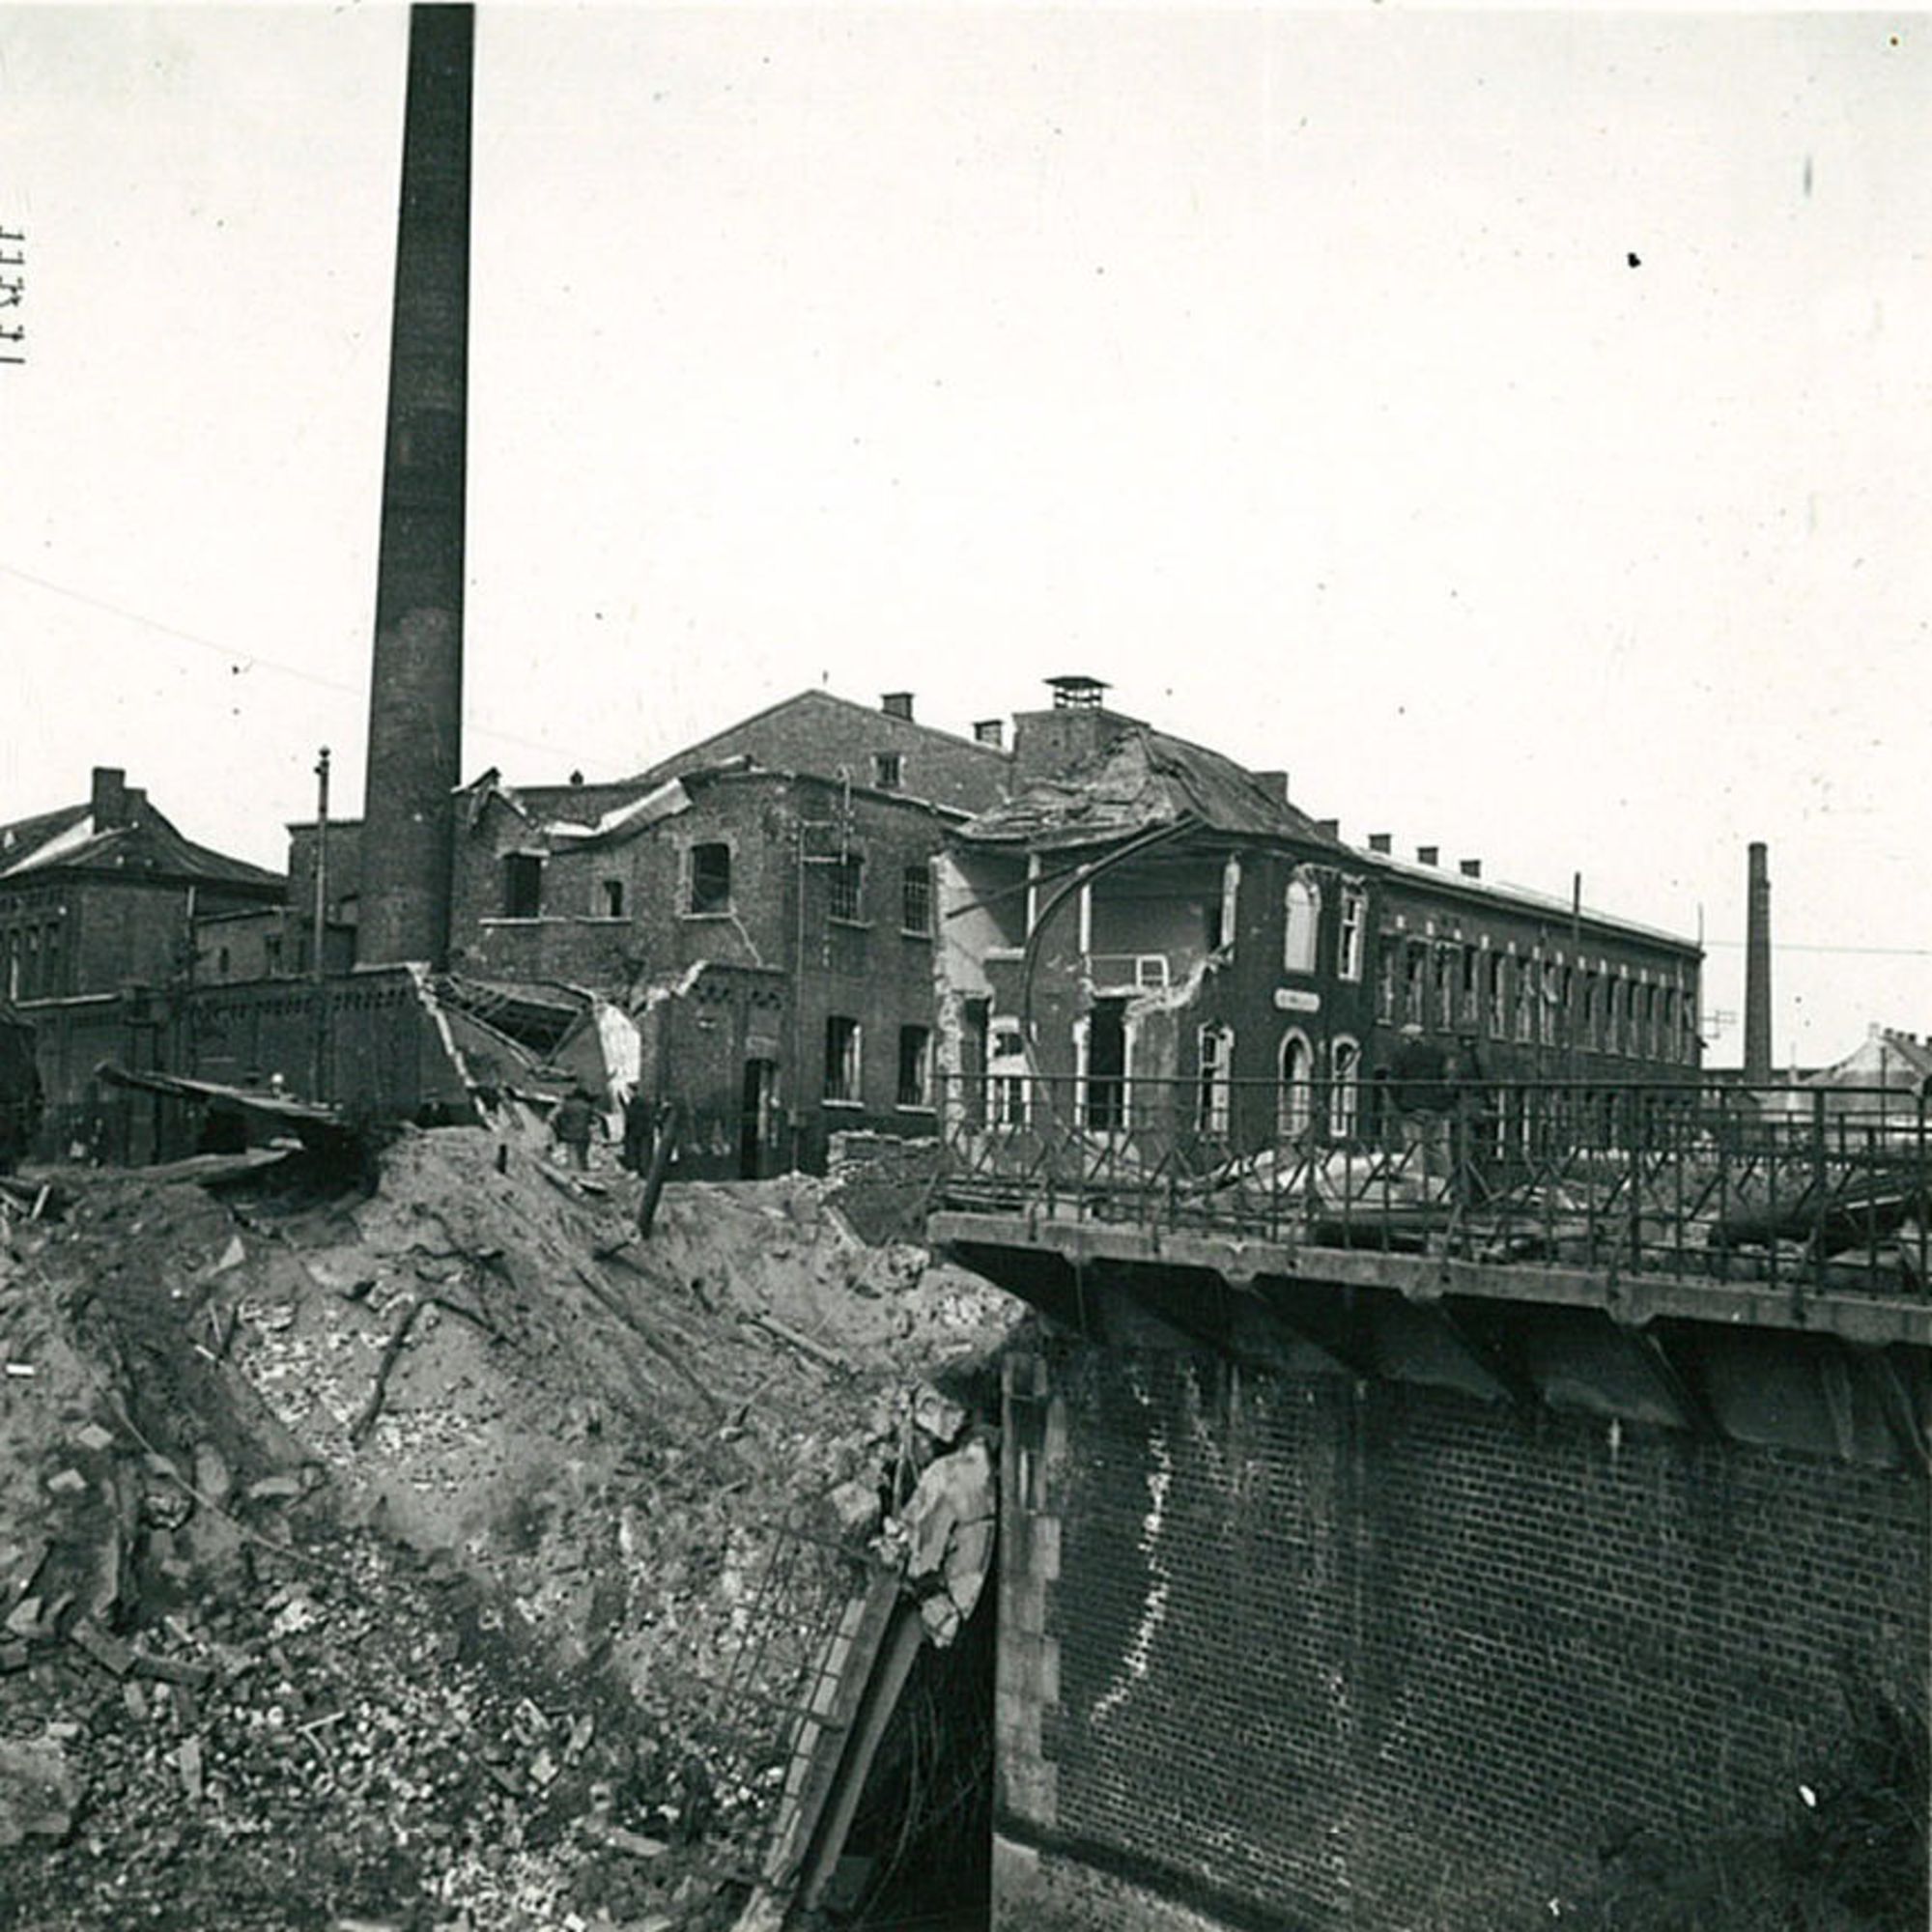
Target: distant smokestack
x=415, y=697
x=1757, y=968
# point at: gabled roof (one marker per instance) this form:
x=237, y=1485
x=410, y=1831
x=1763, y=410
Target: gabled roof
x=836, y=710
x=1140, y=779
x=67, y=840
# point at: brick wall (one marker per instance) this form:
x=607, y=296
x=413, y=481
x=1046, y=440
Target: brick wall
x=1303, y=1652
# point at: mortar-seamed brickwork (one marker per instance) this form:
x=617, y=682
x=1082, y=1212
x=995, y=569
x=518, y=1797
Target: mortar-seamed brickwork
x=1326, y=1652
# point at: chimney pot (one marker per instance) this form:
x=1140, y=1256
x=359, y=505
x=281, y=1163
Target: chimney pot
x=1381, y=841
x=108, y=800
x=1428, y=855
x=896, y=704
x=1273, y=782
x=1330, y=828
x=990, y=731
x=1472, y=868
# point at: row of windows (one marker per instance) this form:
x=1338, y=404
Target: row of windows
x=1463, y=988
x=844, y=1045
x=708, y=889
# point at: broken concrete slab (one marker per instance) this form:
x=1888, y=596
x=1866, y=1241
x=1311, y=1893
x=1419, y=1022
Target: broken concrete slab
x=38, y=1790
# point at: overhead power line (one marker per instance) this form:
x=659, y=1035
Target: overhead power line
x=1867, y=952
x=238, y=660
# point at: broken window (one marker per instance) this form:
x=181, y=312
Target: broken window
x=915, y=1067
x=1301, y=918
x=1349, y=936
x=1388, y=955
x=847, y=889
x=1007, y=1070
x=1345, y=1073
x=841, y=1059
x=916, y=900
x=1104, y=1045
x=613, y=892
x=1415, y=983
x=523, y=885
x=888, y=770
x=710, y=879
x=1212, y=1096
x=1295, y=1104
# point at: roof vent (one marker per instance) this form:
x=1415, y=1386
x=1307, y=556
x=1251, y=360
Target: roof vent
x=1428, y=855
x=1472, y=868
x=896, y=704
x=1381, y=841
x=990, y=731
x=1076, y=694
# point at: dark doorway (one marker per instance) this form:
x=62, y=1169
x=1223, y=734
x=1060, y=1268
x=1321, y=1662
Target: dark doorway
x=1105, y=1099
x=756, y=1108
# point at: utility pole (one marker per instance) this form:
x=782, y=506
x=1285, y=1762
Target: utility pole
x=321, y=923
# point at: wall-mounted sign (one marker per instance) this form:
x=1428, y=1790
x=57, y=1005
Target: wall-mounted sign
x=1292, y=1000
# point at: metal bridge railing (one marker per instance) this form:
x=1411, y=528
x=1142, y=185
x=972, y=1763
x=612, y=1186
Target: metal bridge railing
x=1824, y=1189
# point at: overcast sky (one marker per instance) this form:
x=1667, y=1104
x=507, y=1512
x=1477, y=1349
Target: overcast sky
x=1516, y=425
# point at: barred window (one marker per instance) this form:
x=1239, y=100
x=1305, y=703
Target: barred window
x=841, y=1058
x=848, y=888
x=916, y=900
x=915, y=1067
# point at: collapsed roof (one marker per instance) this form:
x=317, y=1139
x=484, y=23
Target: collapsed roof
x=1142, y=779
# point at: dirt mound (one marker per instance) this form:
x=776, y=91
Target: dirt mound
x=390, y=1557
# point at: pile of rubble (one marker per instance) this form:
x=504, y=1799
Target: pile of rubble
x=382, y=1560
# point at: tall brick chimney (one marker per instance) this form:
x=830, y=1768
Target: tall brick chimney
x=416, y=696
x=1757, y=968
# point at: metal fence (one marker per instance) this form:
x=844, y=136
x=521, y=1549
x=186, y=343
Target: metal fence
x=1826, y=1187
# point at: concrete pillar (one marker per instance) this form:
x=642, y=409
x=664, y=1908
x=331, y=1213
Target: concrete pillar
x=416, y=699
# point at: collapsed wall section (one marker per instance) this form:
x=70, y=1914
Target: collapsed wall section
x=1300, y=1651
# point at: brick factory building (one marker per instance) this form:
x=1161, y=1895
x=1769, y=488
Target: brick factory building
x=1156, y=929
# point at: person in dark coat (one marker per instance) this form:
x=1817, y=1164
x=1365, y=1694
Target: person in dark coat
x=573, y=1123
x=640, y=1133
x=1423, y=1095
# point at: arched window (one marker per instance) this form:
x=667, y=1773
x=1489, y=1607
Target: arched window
x=1303, y=915
x=1344, y=1075
x=1294, y=1107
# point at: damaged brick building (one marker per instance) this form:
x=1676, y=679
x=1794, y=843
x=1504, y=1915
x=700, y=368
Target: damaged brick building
x=1158, y=933
x=759, y=903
